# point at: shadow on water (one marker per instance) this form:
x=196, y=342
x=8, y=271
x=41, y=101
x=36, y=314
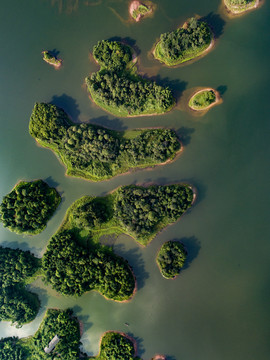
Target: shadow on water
x=24, y=246
x=104, y=121
x=135, y=260
x=68, y=104
x=216, y=23
x=139, y=343
x=200, y=188
x=169, y=357
x=222, y=89
x=54, y=52
x=83, y=318
x=193, y=247
x=128, y=41
x=49, y=180
x=183, y=134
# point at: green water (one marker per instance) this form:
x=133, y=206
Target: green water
x=218, y=308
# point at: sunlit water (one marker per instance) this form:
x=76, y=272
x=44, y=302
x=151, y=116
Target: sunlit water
x=218, y=308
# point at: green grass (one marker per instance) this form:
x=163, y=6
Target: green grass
x=142, y=10
x=185, y=56
x=202, y=99
x=239, y=8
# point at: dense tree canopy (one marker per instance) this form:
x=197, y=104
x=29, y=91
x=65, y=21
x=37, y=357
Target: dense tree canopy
x=11, y=349
x=16, y=304
x=97, y=153
x=28, y=207
x=73, y=269
x=202, y=99
x=185, y=43
x=119, y=90
x=116, y=346
x=171, y=259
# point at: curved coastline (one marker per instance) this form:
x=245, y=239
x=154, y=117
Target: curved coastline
x=216, y=102
x=238, y=10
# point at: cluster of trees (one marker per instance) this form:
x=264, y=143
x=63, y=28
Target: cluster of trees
x=240, y=2
x=140, y=11
x=16, y=304
x=116, y=346
x=144, y=211
x=112, y=55
x=66, y=327
x=120, y=90
x=73, y=269
x=171, y=259
x=184, y=43
x=10, y=349
x=96, y=153
x=202, y=99
x=28, y=207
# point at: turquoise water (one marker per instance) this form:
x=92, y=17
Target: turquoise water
x=218, y=308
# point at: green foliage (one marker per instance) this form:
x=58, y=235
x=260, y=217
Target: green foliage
x=202, y=99
x=142, y=212
x=171, y=259
x=16, y=304
x=28, y=207
x=116, y=346
x=73, y=269
x=96, y=153
x=10, y=349
x=183, y=44
x=141, y=11
x=240, y=2
x=112, y=55
x=122, y=92
x=49, y=58
x=66, y=327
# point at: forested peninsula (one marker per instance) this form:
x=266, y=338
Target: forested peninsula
x=118, y=89
x=17, y=269
x=240, y=6
x=95, y=153
x=193, y=39
x=75, y=262
x=58, y=336
x=171, y=259
x=28, y=207
x=51, y=59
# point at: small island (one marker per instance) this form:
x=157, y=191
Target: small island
x=118, y=89
x=238, y=7
x=50, y=59
x=204, y=99
x=138, y=9
x=28, y=207
x=171, y=259
x=94, y=153
x=192, y=40
x=17, y=269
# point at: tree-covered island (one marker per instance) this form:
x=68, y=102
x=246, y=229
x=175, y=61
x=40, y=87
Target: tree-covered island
x=171, y=259
x=118, y=89
x=75, y=262
x=139, y=9
x=28, y=207
x=58, y=336
x=204, y=99
x=236, y=7
x=51, y=59
x=95, y=153
x=17, y=269
x=193, y=39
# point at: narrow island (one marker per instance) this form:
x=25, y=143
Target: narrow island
x=52, y=60
x=28, y=207
x=138, y=10
x=192, y=40
x=238, y=7
x=94, y=153
x=118, y=89
x=204, y=99
x=17, y=269
x=171, y=259
x=58, y=336
x=75, y=262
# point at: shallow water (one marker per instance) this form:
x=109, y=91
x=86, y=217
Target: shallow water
x=218, y=307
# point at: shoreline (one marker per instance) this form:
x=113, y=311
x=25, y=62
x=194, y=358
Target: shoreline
x=216, y=102
x=134, y=342
x=56, y=66
x=230, y=12
x=159, y=357
x=135, y=4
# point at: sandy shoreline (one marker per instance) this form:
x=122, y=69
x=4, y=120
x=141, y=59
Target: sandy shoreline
x=216, y=102
x=235, y=13
x=134, y=5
